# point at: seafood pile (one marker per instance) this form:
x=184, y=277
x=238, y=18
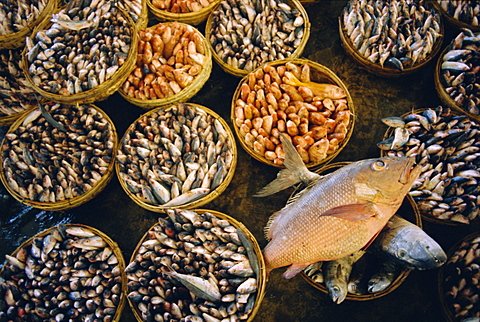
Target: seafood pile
x=247, y=34
x=283, y=99
x=194, y=266
x=133, y=7
x=458, y=71
x=83, y=48
x=459, y=280
x=464, y=10
x=170, y=57
x=17, y=15
x=172, y=157
x=392, y=33
x=58, y=152
x=181, y=6
x=445, y=145
x=67, y=273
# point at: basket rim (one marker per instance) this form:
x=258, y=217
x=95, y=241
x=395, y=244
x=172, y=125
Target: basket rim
x=454, y=22
x=202, y=13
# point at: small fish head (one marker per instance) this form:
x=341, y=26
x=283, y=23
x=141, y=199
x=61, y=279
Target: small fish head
x=337, y=293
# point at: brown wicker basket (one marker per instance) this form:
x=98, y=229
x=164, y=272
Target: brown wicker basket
x=241, y=72
x=9, y=119
x=192, y=18
x=408, y=210
x=451, y=20
x=319, y=73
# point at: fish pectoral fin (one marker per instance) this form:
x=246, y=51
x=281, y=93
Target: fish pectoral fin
x=352, y=212
x=294, y=269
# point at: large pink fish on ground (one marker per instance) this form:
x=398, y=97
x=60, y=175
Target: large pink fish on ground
x=337, y=214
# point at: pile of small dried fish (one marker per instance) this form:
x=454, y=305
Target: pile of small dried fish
x=58, y=152
x=83, y=48
x=458, y=72
x=16, y=94
x=248, y=33
x=132, y=7
x=194, y=267
x=181, y=6
x=66, y=274
x=18, y=14
x=175, y=156
x=460, y=280
x=462, y=10
x=447, y=146
x=170, y=57
x=282, y=99
x=393, y=33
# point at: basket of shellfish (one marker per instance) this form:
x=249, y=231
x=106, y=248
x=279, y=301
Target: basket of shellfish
x=83, y=55
x=459, y=14
x=445, y=143
x=189, y=12
x=458, y=280
x=58, y=156
x=300, y=98
x=209, y=267
x=137, y=9
x=378, y=35
x=455, y=74
x=19, y=18
x=244, y=35
x=181, y=156
x=66, y=272
x=174, y=62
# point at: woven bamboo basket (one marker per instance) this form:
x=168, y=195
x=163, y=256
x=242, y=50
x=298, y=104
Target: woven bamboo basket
x=192, y=18
x=319, y=74
x=67, y=203
x=196, y=203
x=9, y=119
x=241, y=72
x=452, y=271
x=408, y=210
x=253, y=245
x=103, y=90
x=17, y=39
x=385, y=71
x=113, y=245
x=186, y=93
x=456, y=23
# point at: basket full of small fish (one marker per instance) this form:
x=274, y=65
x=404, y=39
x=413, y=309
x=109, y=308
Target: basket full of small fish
x=391, y=38
x=456, y=74
x=299, y=98
x=70, y=272
x=199, y=265
x=18, y=18
x=192, y=12
x=446, y=144
x=244, y=35
x=173, y=63
x=460, y=14
x=181, y=156
x=83, y=54
x=58, y=156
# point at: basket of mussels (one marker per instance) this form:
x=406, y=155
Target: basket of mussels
x=196, y=265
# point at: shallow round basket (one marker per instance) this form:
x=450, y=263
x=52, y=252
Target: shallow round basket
x=408, y=210
x=454, y=22
x=192, y=18
x=67, y=203
x=8, y=120
x=198, y=202
x=319, y=74
x=101, y=91
x=385, y=71
x=17, y=39
x=186, y=93
x=453, y=271
x=110, y=243
x=242, y=72
x=248, y=241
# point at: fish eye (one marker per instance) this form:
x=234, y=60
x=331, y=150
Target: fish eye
x=378, y=165
x=402, y=253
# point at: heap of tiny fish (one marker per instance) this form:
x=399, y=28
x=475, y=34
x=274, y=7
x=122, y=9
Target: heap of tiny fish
x=82, y=49
x=58, y=153
x=16, y=94
x=460, y=280
x=246, y=34
x=458, y=72
x=175, y=156
x=170, y=56
x=282, y=99
x=67, y=274
x=181, y=6
x=18, y=14
x=447, y=146
x=194, y=267
x=397, y=34
x=466, y=11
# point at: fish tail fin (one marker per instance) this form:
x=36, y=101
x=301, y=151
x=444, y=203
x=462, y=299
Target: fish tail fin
x=295, y=171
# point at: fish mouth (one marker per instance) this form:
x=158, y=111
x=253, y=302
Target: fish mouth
x=406, y=174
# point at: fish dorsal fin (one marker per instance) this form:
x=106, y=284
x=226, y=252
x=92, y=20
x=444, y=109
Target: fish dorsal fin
x=266, y=230
x=352, y=212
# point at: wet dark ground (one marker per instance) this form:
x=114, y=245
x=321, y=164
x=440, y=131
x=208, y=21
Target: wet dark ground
x=112, y=212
